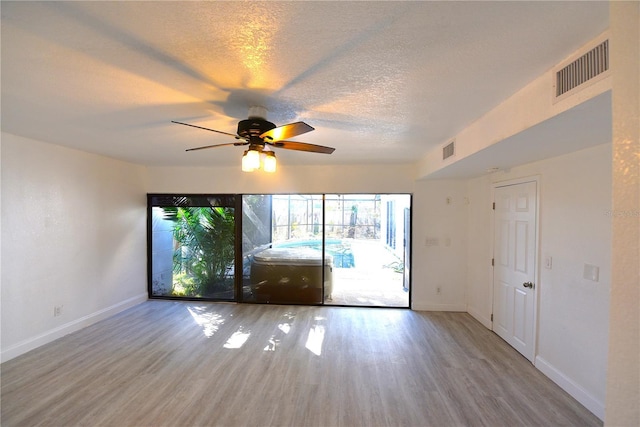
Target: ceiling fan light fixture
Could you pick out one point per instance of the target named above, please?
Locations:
(250, 160)
(256, 159)
(269, 162)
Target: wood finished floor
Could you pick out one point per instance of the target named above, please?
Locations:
(166, 363)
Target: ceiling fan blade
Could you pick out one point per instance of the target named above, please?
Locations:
(302, 146)
(211, 130)
(217, 145)
(286, 131)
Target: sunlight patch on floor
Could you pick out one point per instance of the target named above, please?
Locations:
(210, 322)
(284, 327)
(238, 339)
(315, 339)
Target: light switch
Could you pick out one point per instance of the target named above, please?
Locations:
(591, 272)
(548, 262)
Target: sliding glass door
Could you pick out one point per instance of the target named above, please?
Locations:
(337, 249)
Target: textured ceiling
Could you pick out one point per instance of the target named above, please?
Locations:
(380, 81)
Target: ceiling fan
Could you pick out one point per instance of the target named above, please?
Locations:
(258, 133)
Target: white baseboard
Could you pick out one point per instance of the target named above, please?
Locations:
(422, 306)
(69, 327)
(577, 392)
(486, 321)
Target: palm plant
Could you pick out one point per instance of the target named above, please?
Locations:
(204, 246)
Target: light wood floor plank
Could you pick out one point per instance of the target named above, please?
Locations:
(167, 363)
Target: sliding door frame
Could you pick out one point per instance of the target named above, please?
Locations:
(238, 284)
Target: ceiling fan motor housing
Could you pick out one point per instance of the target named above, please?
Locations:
(252, 128)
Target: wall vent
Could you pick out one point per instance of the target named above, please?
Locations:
(593, 63)
(449, 150)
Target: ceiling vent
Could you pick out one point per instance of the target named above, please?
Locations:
(449, 150)
(574, 75)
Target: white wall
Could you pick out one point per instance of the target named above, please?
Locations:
(439, 245)
(73, 236)
(288, 179)
(575, 229)
(623, 375)
(479, 249)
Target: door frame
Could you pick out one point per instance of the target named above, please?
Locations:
(238, 260)
(536, 270)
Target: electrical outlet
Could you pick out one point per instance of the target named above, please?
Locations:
(438, 290)
(431, 241)
(57, 311)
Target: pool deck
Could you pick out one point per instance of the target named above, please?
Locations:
(378, 287)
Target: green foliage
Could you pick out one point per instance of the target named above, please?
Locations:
(204, 248)
(184, 286)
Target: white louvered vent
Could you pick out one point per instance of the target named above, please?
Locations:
(449, 150)
(583, 69)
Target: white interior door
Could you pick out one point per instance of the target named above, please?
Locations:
(515, 265)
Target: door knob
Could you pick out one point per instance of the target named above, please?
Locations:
(528, 285)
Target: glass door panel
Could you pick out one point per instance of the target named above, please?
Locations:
(192, 243)
(367, 237)
(282, 249)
